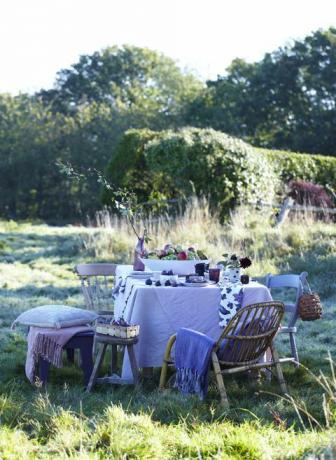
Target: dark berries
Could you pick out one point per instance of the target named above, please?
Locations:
(158, 283)
(245, 262)
(149, 282)
(167, 283)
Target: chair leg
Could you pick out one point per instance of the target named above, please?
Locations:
(70, 355)
(166, 360)
(99, 360)
(294, 349)
(44, 367)
(219, 380)
(86, 361)
(278, 370)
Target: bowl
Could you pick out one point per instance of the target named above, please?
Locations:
(179, 267)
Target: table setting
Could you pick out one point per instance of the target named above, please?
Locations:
(161, 302)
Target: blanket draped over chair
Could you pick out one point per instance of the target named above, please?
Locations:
(48, 344)
(192, 360)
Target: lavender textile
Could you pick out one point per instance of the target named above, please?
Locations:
(48, 343)
(192, 359)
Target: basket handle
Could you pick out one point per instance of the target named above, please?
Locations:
(306, 288)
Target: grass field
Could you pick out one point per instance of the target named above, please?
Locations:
(36, 267)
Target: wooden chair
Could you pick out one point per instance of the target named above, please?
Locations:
(291, 308)
(97, 283)
(242, 345)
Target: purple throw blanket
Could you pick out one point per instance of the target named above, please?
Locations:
(192, 359)
(48, 343)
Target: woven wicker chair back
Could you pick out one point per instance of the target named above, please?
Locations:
(250, 333)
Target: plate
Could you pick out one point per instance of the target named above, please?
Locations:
(206, 283)
(136, 273)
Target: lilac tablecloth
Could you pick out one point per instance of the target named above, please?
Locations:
(160, 311)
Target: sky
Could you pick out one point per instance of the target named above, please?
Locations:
(40, 37)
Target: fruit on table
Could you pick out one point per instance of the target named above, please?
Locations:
(149, 282)
(170, 252)
(158, 283)
(182, 255)
(167, 272)
(167, 283)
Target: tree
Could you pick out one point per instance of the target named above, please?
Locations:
(287, 100)
(143, 87)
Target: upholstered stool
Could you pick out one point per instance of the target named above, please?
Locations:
(102, 341)
(82, 341)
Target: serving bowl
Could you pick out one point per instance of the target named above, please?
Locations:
(179, 267)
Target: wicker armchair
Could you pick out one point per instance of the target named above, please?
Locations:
(241, 345)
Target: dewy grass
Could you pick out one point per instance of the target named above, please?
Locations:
(36, 267)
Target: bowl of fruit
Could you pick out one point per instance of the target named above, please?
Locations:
(176, 259)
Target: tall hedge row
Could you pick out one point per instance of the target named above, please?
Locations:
(205, 162)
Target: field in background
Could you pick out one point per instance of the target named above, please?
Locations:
(36, 267)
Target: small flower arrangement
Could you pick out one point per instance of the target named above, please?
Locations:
(234, 261)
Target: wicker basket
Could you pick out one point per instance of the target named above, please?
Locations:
(310, 307)
(114, 330)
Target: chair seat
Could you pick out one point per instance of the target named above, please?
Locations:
(85, 334)
(290, 307)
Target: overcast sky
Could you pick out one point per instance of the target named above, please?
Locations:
(40, 37)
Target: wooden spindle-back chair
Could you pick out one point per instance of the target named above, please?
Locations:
(295, 283)
(97, 283)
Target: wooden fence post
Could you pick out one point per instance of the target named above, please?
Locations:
(286, 207)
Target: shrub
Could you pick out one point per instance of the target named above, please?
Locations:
(205, 162)
(307, 193)
(201, 161)
(300, 166)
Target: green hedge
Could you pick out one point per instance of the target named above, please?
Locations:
(319, 169)
(169, 164)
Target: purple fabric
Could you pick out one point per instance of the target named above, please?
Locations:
(48, 343)
(192, 359)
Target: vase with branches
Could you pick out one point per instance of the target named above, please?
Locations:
(123, 200)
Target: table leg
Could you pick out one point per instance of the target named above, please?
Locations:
(114, 359)
(134, 364)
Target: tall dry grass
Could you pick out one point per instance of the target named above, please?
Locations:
(247, 231)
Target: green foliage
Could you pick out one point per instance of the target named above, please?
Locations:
(81, 121)
(319, 169)
(285, 101)
(189, 161)
(212, 164)
(142, 85)
(128, 167)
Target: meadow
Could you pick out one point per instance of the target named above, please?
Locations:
(61, 421)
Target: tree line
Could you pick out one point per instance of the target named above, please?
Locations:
(285, 101)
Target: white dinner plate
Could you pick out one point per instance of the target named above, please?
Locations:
(205, 284)
(140, 273)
